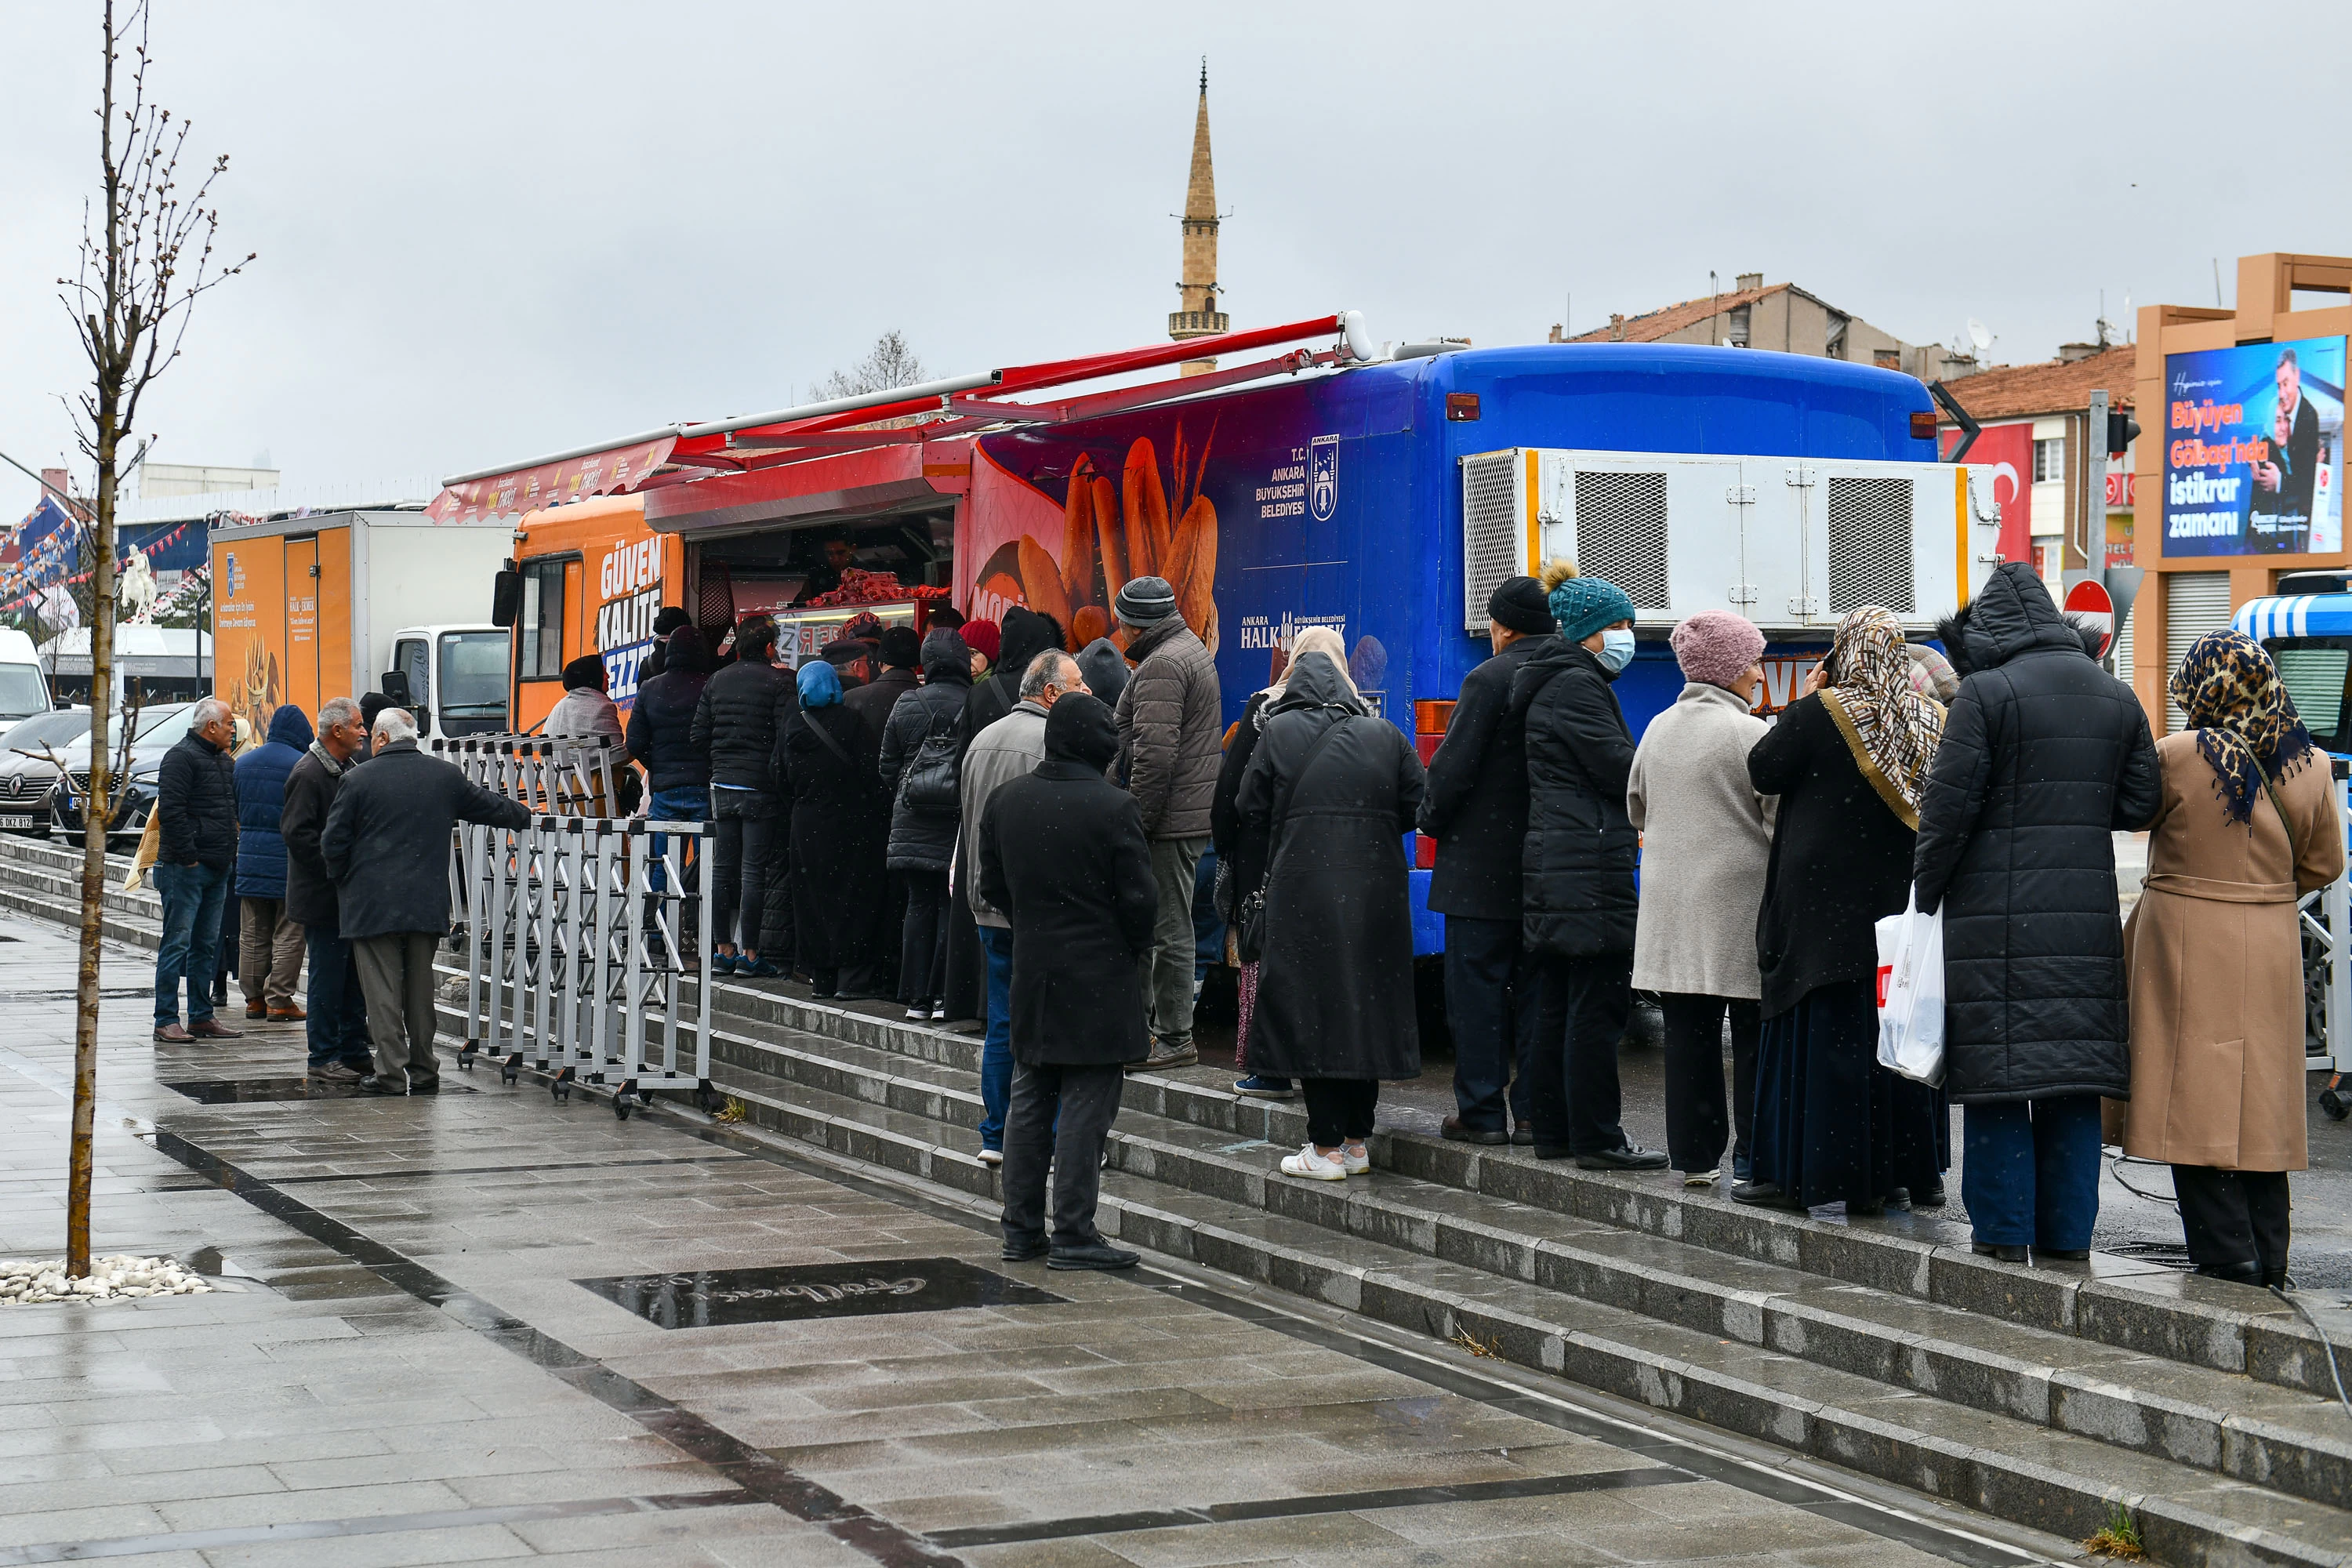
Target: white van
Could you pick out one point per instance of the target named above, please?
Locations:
(24, 691)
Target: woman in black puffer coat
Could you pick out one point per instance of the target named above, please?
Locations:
(2045, 756)
(922, 840)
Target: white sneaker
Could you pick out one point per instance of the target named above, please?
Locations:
(1306, 1162)
(1702, 1178)
(938, 1012)
(918, 1012)
(1355, 1161)
(991, 1156)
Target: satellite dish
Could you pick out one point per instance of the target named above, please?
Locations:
(1978, 336)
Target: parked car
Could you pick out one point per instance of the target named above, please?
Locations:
(26, 768)
(159, 729)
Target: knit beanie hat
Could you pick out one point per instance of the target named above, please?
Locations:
(1518, 605)
(1715, 645)
(1145, 602)
(1582, 605)
(901, 648)
(983, 637)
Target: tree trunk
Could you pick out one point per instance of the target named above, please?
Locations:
(97, 813)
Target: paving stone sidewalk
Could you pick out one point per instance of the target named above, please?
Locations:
(401, 1366)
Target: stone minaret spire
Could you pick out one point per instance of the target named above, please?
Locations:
(1197, 315)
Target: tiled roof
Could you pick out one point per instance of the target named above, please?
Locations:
(2011, 390)
(1673, 319)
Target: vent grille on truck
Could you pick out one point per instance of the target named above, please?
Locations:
(1870, 544)
(1490, 531)
(1620, 533)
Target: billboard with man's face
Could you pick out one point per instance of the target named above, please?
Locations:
(2254, 449)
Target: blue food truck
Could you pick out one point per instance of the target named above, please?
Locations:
(1387, 499)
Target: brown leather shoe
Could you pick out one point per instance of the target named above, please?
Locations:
(285, 1014)
(213, 1029)
(255, 1009)
(172, 1035)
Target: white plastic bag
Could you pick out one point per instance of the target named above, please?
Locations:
(1911, 994)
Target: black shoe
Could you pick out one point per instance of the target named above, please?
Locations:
(1452, 1129)
(425, 1085)
(2065, 1254)
(1023, 1251)
(1630, 1157)
(1098, 1256)
(1761, 1195)
(2002, 1251)
(1931, 1198)
(2275, 1280)
(2237, 1273)
(372, 1084)
(1554, 1152)
(1523, 1135)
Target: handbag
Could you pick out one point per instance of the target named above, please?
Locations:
(934, 779)
(1253, 939)
(1911, 994)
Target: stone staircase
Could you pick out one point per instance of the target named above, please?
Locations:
(2047, 1395)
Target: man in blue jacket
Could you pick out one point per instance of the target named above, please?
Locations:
(269, 943)
(195, 855)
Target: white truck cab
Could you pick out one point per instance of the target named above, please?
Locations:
(452, 678)
(24, 691)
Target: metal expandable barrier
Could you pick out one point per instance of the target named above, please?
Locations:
(589, 959)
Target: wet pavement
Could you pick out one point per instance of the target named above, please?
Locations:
(487, 1325)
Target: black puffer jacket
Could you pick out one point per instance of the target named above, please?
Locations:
(2045, 755)
(196, 793)
(1476, 807)
(386, 841)
(1577, 864)
(741, 712)
(661, 721)
(925, 840)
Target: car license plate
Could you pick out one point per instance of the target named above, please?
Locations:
(16, 824)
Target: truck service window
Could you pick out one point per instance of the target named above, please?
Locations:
(540, 656)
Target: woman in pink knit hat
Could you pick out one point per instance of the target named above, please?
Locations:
(1706, 836)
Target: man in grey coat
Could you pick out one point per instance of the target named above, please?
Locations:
(1009, 749)
(1170, 722)
(386, 844)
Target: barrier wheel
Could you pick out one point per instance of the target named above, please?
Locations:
(511, 1071)
(626, 1100)
(562, 1085)
(2334, 1101)
(465, 1054)
(706, 1099)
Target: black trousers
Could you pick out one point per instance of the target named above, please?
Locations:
(1061, 1115)
(1585, 1004)
(1340, 1110)
(923, 940)
(745, 825)
(1697, 1129)
(1493, 1011)
(2233, 1219)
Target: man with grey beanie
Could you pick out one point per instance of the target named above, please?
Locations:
(1170, 723)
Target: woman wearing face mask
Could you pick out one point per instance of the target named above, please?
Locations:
(1848, 760)
(1707, 832)
(1576, 871)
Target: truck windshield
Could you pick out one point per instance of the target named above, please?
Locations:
(474, 674)
(20, 691)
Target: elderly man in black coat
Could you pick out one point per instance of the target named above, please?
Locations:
(1062, 854)
(387, 844)
(1476, 809)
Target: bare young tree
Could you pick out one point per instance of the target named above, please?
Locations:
(145, 261)
(890, 363)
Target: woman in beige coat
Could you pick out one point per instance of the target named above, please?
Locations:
(2249, 822)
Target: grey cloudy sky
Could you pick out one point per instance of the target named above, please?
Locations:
(492, 230)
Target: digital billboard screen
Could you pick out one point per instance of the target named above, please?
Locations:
(2254, 449)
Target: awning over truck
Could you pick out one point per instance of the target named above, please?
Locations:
(510, 495)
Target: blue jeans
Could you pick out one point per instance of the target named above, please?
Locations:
(996, 1050)
(689, 803)
(337, 1025)
(193, 898)
(2029, 1171)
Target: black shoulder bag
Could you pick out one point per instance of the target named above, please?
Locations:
(1253, 937)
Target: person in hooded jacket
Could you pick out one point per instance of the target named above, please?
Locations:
(661, 732)
(741, 712)
(2248, 823)
(923, 836)
(1105, 669)
(1062, 854)
(1848, 760)
(1333, 790)
(840, 821)
(1577, 865)
(1241, 845)
(1022, 636)
(1476, 810)
(667, 621)
(2045, 756)
(269, 945)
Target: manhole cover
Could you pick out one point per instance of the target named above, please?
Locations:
(261, 1090)
(711, 1297)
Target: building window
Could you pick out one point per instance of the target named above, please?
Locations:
(541, 657)
(2050, 460)
(1886, 359)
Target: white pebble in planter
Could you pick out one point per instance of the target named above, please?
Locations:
(26, 1282)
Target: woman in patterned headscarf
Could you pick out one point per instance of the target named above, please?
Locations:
(2249, 822)
(1847, 760)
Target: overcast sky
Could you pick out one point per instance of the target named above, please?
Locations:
(488, 231)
